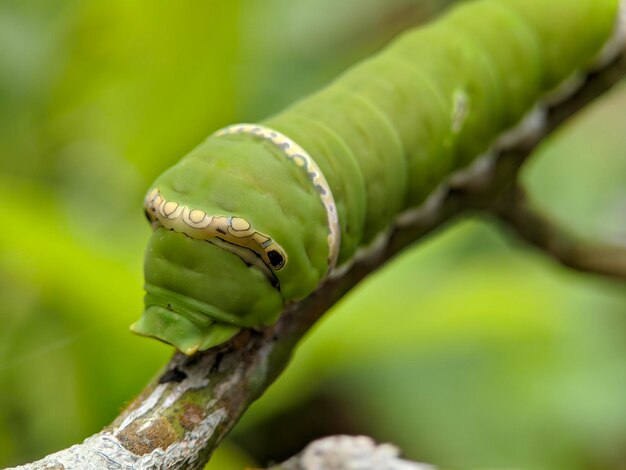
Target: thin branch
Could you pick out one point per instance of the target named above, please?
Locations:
(183, 415)
(514, 209)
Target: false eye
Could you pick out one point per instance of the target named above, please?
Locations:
(276, 259)
(148, 216)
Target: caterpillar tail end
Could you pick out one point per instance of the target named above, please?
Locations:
(181, 332)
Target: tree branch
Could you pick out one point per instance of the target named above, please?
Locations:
(514, 209)
(183, 415)
(349, 453)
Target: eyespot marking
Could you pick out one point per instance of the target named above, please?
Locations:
(302, 160)
(197, 224)
(196, 216)
(276, 259)
(240, 225)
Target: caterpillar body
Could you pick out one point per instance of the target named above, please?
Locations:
(259, 214)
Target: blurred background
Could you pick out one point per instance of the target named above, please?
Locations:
(469, 351)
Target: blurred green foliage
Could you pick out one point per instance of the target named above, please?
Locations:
(469, 351)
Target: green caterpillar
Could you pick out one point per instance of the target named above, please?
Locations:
(259, 214)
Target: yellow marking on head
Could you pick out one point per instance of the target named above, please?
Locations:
(197, 224)
(303, 160)
(197, 216)
(240, 225)
(169, 208)
(260, 238)
(157, 202)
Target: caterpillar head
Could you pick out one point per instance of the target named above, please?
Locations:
(225, 252)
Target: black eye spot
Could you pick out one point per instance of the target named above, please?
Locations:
(276, 259)
(147, 214)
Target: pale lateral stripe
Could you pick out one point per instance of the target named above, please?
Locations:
(296, 154)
